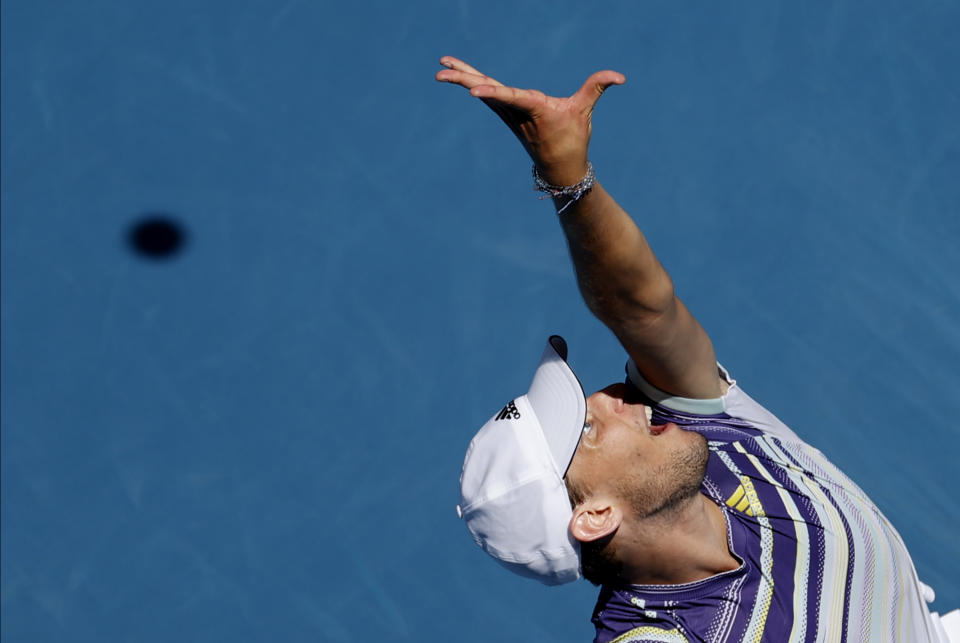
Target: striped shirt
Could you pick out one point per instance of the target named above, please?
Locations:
(819, 560)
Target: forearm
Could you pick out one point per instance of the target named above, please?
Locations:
(619, 276)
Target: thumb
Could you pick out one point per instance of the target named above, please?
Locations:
(598, 82)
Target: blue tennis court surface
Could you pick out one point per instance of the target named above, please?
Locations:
(253, 431)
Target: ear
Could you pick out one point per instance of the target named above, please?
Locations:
(594, 519)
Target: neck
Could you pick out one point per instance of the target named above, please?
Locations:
(686, 545)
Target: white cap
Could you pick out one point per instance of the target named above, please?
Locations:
(512, 494)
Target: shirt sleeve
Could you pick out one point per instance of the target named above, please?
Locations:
(734, 403)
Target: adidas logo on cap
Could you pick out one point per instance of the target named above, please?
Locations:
(509, 412)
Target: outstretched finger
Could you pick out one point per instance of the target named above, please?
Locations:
(598, 82)
(455, 63)
(458, 65)
(465, 79)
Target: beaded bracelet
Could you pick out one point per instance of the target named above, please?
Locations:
(575, 192)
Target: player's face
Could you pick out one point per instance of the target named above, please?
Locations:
(649, 467)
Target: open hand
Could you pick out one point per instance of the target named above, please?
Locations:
(554, 131)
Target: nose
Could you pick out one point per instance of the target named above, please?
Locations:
(609, 399)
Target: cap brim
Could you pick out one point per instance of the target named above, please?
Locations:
(557, 399)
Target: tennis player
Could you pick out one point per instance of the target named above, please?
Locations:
(700, 515)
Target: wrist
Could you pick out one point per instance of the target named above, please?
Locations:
(568, 173)
(565, 195)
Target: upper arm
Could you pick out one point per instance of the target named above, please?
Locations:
(671, 350)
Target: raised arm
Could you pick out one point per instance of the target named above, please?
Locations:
(620, 278)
